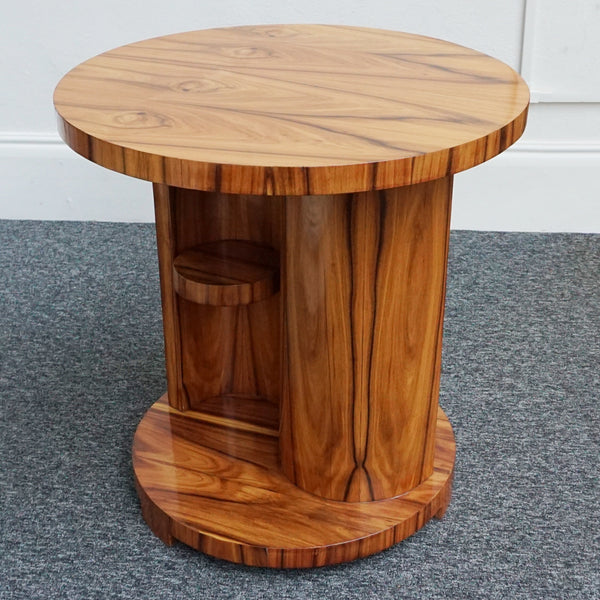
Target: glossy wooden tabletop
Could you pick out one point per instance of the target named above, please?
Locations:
(299, 109)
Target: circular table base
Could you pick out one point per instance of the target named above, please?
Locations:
(213, 482)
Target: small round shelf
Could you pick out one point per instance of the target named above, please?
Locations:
(227, 273)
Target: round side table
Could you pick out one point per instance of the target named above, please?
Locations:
(302, 185)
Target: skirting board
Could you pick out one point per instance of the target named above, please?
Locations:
(538, 189)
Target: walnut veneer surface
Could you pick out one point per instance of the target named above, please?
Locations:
(312, 109)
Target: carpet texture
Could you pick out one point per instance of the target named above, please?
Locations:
(81, 359)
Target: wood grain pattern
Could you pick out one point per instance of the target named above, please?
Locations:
(241, 508)
(248, 412)
(363, 309)
(219, 351)
(291, 110)
(167, 250)
(227, 273)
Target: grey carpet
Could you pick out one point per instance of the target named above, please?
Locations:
(82, 358)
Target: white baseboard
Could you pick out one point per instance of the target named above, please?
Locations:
(46, 180)
(531, 188)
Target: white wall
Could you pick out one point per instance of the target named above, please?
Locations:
(546, 182)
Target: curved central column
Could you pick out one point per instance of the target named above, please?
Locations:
(363, 287)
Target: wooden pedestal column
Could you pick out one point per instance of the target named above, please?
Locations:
(363, 297)
(303, 344)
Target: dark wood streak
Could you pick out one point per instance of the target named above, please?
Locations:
(350, 309)
(373, 397)
(470, 77)
(450, 157)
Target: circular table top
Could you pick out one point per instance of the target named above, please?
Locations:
(294, 109)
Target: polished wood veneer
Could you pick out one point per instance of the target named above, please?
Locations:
(227, 273)
(302, 180)
(238, 506)
(298, 109)
(363, 314)
(232, 349)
